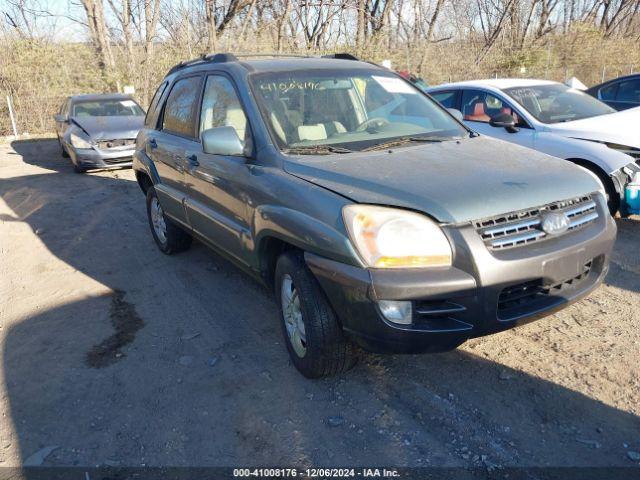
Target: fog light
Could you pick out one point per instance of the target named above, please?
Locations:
(396, 311)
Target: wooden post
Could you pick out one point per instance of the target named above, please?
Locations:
(13, 120)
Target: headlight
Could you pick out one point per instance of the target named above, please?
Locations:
(392, 238)
(79, 142)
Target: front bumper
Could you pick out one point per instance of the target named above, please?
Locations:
(95, 158)
(473, 297)
(621, 178)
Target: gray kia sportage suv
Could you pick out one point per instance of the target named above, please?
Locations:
(377, 217)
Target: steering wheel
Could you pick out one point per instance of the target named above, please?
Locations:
(375, 122)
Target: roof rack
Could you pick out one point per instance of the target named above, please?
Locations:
(275, 55)
(341, 56)
(205, 58)
(229, 57)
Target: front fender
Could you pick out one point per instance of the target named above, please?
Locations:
(304, 232)
(606, 158)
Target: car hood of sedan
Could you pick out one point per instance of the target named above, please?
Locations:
(618, 127)
(454, 182)
(110, 128)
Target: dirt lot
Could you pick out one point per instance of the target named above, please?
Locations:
(116, 354)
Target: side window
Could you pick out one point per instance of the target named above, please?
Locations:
(182, 107)
(154, 103)
(64, 110)
(446, 99)
(609, 92)
(629, 91)
(221, 107)
(479, 106)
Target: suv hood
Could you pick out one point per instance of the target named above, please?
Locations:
(110, 128)
(618, 127)
(454, 182)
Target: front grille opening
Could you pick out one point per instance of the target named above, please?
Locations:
(439, 315)
(519, 299)
(523, 227)
(115, 161)
(120, 142)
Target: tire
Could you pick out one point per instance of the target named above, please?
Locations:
(326, 349)
(613, 199)
(174, 239)
(62, 150)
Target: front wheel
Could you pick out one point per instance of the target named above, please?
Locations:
(169, 237)
(315, 340)
(62, 149)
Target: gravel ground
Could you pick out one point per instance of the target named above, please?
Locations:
(114, 354)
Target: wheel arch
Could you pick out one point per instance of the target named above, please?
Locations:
(610, 186)
(278, 229)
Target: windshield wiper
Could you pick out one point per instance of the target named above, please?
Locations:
(316, 150)
(401, 141)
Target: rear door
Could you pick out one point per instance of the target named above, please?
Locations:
(218, 185)
(169, 145)
(479, 106)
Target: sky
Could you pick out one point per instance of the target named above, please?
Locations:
(60, 22)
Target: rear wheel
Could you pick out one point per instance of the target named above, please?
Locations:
(169, 237)
(314, 338)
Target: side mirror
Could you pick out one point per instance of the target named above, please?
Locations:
(60, 118)
(222, 141)
(504, 120)
(456, 113)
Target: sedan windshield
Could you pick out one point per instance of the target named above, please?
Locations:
(338, 111)
(557, 103)
(107, 108)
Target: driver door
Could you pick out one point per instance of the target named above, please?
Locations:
(478, 107)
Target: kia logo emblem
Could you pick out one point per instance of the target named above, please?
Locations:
(555, 223)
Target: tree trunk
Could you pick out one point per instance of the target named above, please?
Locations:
(151, 13)
(360, 32)
(211, 26)
(99, 38)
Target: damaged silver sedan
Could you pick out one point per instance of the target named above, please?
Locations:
(98, 131)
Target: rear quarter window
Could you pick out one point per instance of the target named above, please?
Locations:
(181, 109)
(151, 111)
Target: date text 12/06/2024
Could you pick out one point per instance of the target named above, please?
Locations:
(316, 472)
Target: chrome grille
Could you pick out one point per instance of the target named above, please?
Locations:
(520, 228)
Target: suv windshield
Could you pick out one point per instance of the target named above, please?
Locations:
(558, 103)
(107, 108)
(339, 111)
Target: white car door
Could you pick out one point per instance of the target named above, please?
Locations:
(478, 107)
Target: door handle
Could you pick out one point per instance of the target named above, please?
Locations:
(193, 160)
(153, 143)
